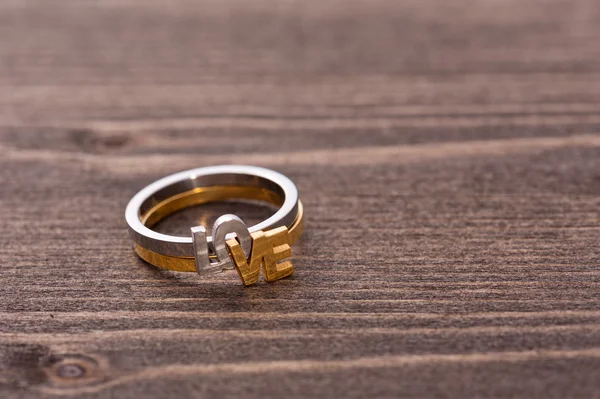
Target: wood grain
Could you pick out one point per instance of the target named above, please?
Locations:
(447, 154)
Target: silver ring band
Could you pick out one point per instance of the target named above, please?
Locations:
(224, 175)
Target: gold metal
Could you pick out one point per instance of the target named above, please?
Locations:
(267, 249)
(204, 195)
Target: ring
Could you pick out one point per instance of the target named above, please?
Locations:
(233, 244)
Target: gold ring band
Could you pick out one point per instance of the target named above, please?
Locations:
(203, 195)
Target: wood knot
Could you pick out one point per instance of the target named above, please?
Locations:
(73, 370)
(99, 143)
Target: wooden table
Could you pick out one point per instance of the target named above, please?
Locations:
(447, 153)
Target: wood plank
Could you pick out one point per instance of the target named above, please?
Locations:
(447, 154)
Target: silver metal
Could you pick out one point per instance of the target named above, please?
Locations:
(224, 175)
(203, 263)
(224, 225)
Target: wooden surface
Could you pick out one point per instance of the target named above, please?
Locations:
(447, 153)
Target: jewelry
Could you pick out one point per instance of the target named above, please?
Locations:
(233, 244)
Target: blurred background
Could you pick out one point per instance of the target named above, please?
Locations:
(129, 76)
